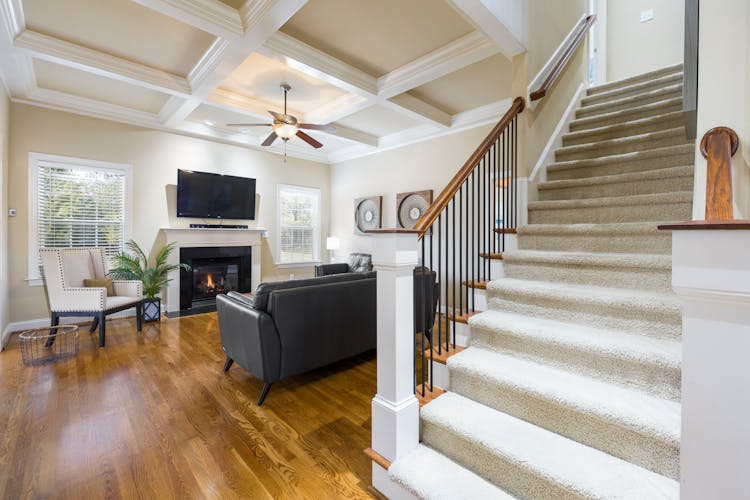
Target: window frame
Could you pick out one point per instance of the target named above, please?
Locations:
(35, 160)
(316, 227)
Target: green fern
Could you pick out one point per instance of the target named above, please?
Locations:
(135, 266)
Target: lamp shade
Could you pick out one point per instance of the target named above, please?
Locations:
(332, 243)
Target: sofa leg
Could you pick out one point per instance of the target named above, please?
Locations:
(94, 324)
(54, 320)
(228, 364)
(102, 329)
(264, 393)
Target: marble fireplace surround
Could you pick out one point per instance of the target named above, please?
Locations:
(185, 237)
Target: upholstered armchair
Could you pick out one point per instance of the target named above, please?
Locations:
(65, 270)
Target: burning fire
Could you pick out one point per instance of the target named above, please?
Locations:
(210, 281)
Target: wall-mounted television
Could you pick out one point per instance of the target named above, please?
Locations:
(215, 196)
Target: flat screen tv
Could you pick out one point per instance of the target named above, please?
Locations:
(215, 196)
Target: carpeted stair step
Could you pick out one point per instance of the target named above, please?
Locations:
(631, 425)
(663, 180)
(632, 270)
(620, 237)
(634, 112)
(653, 314)
(634, 361)
(630, 144)
(530, 462)
(627, 90)
(626, 129)
(651, 96)
(640, 208)
(633, 80)
(431, 475)
(638, 161)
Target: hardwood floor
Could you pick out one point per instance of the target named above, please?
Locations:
(153, 416)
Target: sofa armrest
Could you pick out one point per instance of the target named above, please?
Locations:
(326, 269)
(77, 299)
(249, 337)
(128, 288)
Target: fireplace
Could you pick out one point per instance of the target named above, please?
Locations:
(213, 270)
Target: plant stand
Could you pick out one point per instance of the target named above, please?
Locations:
(151, 310)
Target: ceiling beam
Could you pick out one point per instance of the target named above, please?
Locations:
(93, 61)
(16, 68)
(500, 20)
(419, 110)
(454, 56)
(211, 16)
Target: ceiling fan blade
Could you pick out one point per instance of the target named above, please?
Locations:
(269, 140)
(248, 124)
(312, 142)
(315, 126)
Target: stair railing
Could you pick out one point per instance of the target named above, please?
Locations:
(460, 233)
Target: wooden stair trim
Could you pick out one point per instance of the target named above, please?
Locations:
(428, 395)
(479, 285)
(491, 255)
(442, 356)
(463, 317)
(505, 230)
(377, 458)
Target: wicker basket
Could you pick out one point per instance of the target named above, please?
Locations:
(50, 343)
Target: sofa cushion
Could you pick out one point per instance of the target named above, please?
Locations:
(76, 267)
(260, 295)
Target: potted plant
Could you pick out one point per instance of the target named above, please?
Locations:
(136, 266)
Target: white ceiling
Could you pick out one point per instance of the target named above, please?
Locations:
(384, 73)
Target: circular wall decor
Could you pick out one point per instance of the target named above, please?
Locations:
(367, 213)
(411, 206)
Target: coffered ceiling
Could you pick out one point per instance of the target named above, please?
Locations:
(384, 73)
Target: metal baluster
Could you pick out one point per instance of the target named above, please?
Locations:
(472, 255)
(466, 234)
(453, 277)
(440, 284)
(515, 171)
(424, 320)
(460, 249)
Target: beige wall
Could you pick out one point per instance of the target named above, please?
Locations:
(4, 141)
(634, 47)
(155, 157)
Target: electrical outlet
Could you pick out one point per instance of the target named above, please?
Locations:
(11, 212)
(647, 15)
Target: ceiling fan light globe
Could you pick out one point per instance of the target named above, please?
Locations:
(285, 130)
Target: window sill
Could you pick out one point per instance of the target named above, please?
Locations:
(34, 281)
(284, 265)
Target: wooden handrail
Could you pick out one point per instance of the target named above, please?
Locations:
(718, 145)
(567, 54)
(429, 217)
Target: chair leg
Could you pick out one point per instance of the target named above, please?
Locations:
(228, 364)
(54, 320)
(139, 316)
(264, 393)
(102, 328)
(94, 324)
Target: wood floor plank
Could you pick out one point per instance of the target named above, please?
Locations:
(153, 415)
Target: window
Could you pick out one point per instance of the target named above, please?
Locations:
(299, 224)
(76, 203)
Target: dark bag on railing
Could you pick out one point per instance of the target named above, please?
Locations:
(426, 290)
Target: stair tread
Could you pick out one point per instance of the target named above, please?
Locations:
(491, 255)
(597, 93)
(479, 285)
(638, 122)
(602, 259)
(583, 229)
(623, 157)
(665, 352)
(659, 173)
(639, 199)
(462, 316)
(622, 141)
(578, 123)
(592, 109)
(430, 474)
(578, 468)
(650, 75)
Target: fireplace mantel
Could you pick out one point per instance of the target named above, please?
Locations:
(185, 237)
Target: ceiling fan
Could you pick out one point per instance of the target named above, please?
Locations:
(287, 126)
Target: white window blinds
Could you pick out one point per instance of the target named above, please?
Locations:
(299, 224)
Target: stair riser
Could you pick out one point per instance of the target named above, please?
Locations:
(630, 90)
(651, 323)
(648, 376)
(611, 214)
(638, 243)
(627, 146)
(643, 186)
(628, 103)
(660, 455)
(502, 471)
(621, 167)
(634, 114)
(608, 87)
(659, 280)
(625, 131)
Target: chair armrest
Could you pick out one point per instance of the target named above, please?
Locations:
(78, 299)
(326, 269)
(128, 288)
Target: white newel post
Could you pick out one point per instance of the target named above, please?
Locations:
(395, 409)
(711, 274)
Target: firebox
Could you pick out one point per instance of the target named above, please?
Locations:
(213, 270)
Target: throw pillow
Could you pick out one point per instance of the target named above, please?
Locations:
(100, 283)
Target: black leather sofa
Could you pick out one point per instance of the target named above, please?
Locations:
(292, 327)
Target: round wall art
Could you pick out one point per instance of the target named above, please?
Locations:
(367, 213)
(411, 206)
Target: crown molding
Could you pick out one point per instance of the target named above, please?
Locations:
(14, 21)
(93, 61)
(211, 16)
(454, 56)
(501, 22)
(419, 110)
(207, 64)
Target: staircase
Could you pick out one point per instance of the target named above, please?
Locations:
(570, 386)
